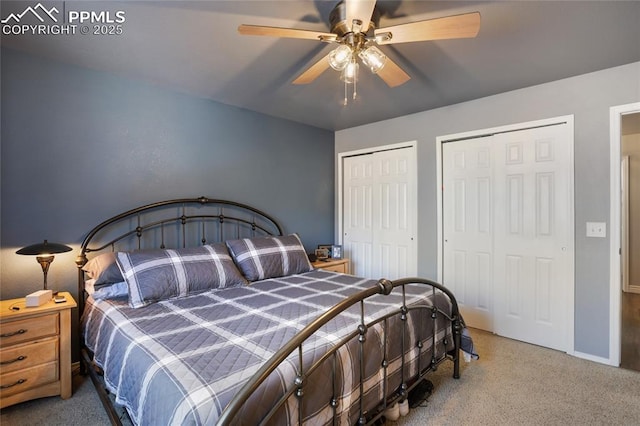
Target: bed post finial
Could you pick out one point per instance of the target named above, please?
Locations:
(385, 286)
(81, 259)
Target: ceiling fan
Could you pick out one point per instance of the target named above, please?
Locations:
(354, 28)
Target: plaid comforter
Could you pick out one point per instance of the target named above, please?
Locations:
(181, 361)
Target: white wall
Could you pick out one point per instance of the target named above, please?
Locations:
(588, 97)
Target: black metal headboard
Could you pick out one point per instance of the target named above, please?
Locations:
(185, 222)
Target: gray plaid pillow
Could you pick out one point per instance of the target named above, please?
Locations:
(269, 257)
(154, 275)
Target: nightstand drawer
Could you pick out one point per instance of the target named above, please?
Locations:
(19, 381)
(18, 357)
(334, 265)
(28, 329)
(336, 268)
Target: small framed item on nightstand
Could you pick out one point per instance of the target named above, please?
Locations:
(336, 252)
(322, 253)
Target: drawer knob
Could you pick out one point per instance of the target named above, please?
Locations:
(11, 361)
(21, 331)
(19, 382)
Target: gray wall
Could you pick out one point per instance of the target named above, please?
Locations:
(79, 146)
(588, 98)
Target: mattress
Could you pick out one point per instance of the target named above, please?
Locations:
(181, 361)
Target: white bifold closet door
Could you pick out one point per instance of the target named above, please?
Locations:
(507, 232)
(467, 205)
(379, 213)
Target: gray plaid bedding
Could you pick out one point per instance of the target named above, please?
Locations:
(181, 361)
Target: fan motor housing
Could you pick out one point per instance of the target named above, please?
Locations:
(338, 20)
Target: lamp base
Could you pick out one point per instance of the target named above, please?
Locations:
(45, 262)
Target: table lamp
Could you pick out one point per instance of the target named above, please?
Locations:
(44, 252)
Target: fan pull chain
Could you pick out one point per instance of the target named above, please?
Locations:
(355, 88)
(346, 92)
(346, 101)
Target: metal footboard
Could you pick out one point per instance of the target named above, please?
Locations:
(231, 413)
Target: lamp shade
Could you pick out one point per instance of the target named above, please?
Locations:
(373, 58)
(350, 73)
(44, 248)
(44, 252)
(340, 57)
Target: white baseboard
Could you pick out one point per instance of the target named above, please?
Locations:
(594, 358)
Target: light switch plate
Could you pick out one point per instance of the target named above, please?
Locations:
(596, 229)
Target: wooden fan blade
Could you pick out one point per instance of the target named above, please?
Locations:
(361, 10)
(313, 71)
(392, 74)
(457, 26)
(259, 30)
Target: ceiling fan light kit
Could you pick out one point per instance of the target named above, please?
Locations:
(349, 76)
(373, 58)
(354, 27)
(350, 73)
(340, 57)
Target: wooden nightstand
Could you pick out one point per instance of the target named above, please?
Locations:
(35, 350)
(335, 265)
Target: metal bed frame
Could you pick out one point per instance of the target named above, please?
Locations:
(193, 221)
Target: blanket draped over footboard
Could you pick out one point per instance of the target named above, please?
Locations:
(181, 361)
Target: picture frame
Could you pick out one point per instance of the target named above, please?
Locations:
(336, 251)
(327, 248)
(322, 253)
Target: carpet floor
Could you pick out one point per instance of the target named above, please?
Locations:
(513, 383)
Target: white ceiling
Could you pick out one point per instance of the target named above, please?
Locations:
(194, 47)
